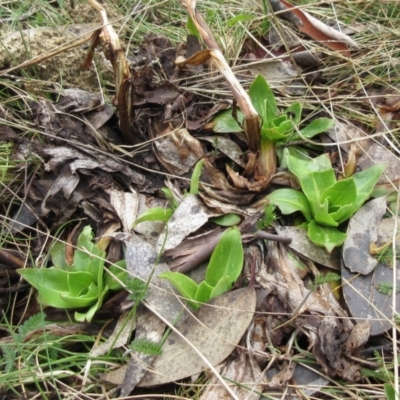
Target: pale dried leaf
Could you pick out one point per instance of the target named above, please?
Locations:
(119, 337)
(190, 215)
(149, 328)
(126, 206)
(361, 233)
(214, 330)
(302, 245)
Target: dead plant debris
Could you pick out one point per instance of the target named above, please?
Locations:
(80, 156)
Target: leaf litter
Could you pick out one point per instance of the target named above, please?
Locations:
(83, 177)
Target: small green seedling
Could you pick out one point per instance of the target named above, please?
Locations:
(164, 214)
(222, 272)
(79, 285)
(268, 217)
(324, 201)
(277, 127)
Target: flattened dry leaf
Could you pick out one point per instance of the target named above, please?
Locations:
(322, 331)
(228, 147)
(178, 151)
(309, 381)
(214, 330)
(126, 206)
(220, 188)
(361, 233)
(193, 251)
(190, 215)
(60, 154)
(278, 72)
(122, 331)
(307, 26)
(236, 370)
(149, 328)
(140, 260)
(358, 336)
(78, 100)
(302, 245)
(365, 302)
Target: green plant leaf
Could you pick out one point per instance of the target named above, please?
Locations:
(320, 213)
(224, 285)
(389, 391)
(88, 315)
(52, 284)
(316, 183)
(341, 197)
(365, 182)
(192, 29)
(279, 129)
(88, 257)
(203, 293)
(263, 99)
(119, 270)
(154, 214)
(227, 219)
(316, 127)
(295, 109)
(195, 179)
(226, 259)
(239, 18)
(301, 168)
(290, 201)
(224, 122)
(325, 236)
(57, 254)
(187, 287)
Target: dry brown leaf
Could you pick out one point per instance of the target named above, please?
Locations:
(177, 150)
(306, 25)
(362, 231)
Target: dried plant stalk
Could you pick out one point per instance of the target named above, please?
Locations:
(252, 121)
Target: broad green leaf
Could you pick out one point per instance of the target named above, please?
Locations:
(321, 214)
(324, 236)
(341, 193)
(154, 214)
(119, 270)
(192, 29)
(263, 99)
(203, 293)
(87, 316)
(187, 287)
(83, 299)
(365, 182)
(227, 258)
(194, 181)
(224, 122)
(52, 284)
(224, 285)
(295, 109)
(229, 219)
(290, 201)
(280, 131)
(57, 254)
(316, 127)
(88, 257)
(80, 282)
(389, 391)
(301, 168)
(316, 183)
(341, 197)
